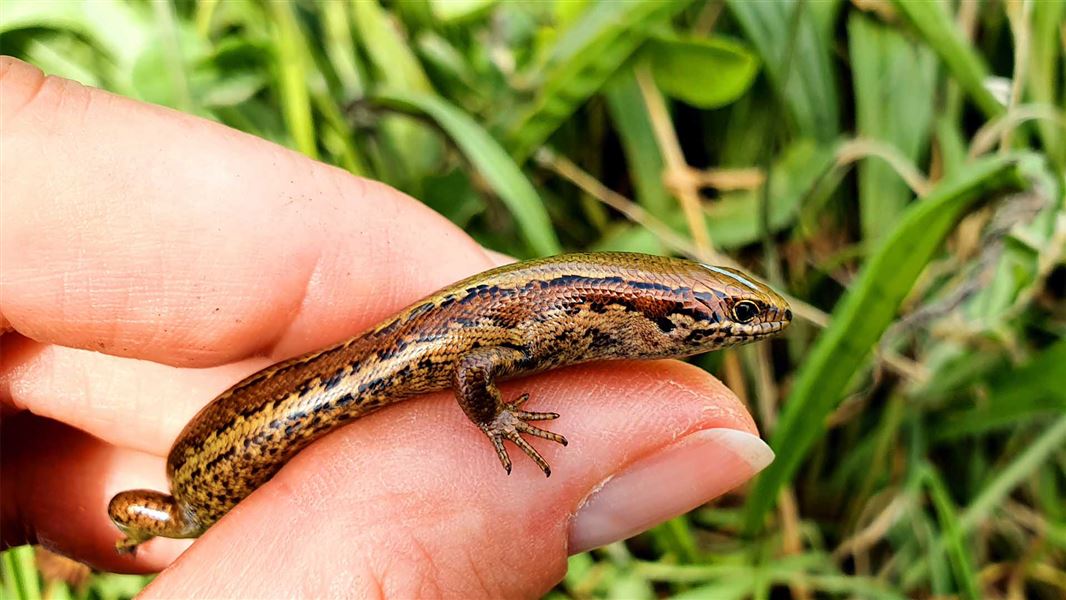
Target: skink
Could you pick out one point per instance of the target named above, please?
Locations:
(514, 320)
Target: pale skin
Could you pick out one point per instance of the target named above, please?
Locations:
(151, 259)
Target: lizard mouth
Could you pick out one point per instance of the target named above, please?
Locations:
(768, 328)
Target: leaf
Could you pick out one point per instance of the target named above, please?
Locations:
(703, 72)
(583, 58)
(119, 29)
(27, 14)
(491, 161)
(895, 86)
(795, 53)
(162, 72)
(942, 34)
(62, 56)
(864, 313)
(118, 33)
(216, 89)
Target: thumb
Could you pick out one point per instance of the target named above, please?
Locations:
(412, 502)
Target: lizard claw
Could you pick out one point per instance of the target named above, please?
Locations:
(510, 423)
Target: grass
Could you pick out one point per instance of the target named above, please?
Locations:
(898, 172)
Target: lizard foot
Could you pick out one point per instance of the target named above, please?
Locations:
(510, 422)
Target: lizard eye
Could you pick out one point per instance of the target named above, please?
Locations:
(745, 311)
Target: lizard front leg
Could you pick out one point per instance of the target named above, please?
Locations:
(475, 389)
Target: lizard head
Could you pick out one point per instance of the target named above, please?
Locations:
(725, 307)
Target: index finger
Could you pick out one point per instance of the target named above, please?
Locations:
(142, 232)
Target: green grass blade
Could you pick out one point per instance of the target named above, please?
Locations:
(631, 120)
(677, 539)
(628, 586)
(112, 586)
(939, 569)
(456, 77)
(852, 586)
(391, 55)
(339, 45)
(171, 60)
(1034, 457)
(583, 59)
(338, 78)
(491, 161)
(863, 314)
(894, 91)
(291, 63)
(1044, 81)
(337, 137)
(739, 580)
(1026, 392)
(19, 570)
(394, 66)
(796, 56)
(952, 538)
(933, 23)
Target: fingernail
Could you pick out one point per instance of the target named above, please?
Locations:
(678, 478)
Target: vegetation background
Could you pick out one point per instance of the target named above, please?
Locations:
(896, 167)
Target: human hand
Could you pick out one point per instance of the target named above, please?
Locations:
(151, 259)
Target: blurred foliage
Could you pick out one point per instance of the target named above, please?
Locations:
(896, 167)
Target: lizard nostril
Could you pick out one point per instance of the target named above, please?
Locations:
(788, 314)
